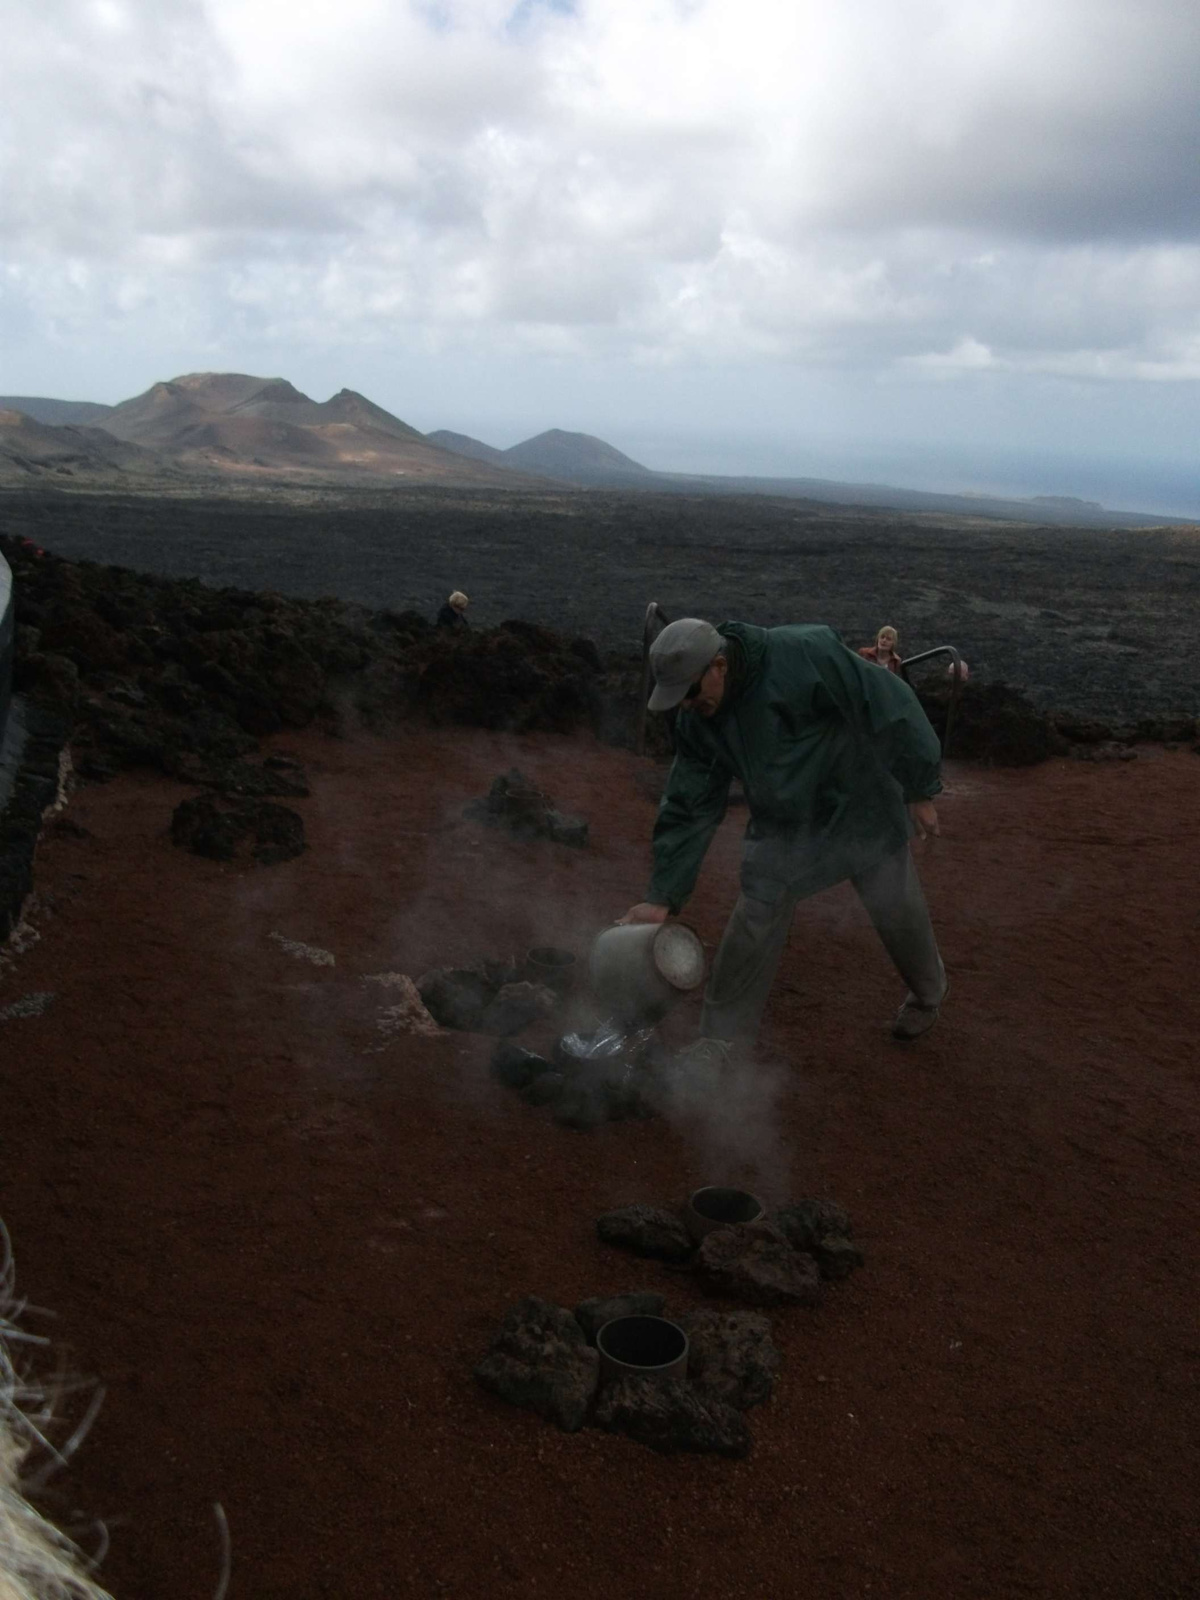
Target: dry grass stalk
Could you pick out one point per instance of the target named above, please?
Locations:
(37, 1561)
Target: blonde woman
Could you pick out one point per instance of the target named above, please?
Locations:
(885, 652)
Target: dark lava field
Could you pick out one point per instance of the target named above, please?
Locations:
(1104, 623)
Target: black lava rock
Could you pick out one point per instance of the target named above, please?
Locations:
(455, 997)
(806, 1222)
(731, 1355)
(467, 998)
(514, 803)
(201, 826)
(995, 723)
(591, 1315)
(275, 833)
(757, 1265)
(596, 1092)
(584, 1102)
(670, 1415)
(515, 1006)
(278, 832)
(516, 1067)
(543, 1090)
(541, 1360)
(837, 1257)
(647, 1232)
(243, 779)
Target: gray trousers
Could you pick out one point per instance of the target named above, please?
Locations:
(754, 939)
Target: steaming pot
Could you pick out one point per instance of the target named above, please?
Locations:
(640, 970)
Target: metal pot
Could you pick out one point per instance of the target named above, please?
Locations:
(714, 1207)
(642, 1347)
(639, 970)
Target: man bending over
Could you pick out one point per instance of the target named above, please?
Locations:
(840, 766)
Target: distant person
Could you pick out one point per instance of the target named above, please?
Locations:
(840, 768)
(454, 613)
(885, 652)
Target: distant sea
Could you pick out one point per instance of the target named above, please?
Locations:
(1169, 488)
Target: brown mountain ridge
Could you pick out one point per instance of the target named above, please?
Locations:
(230, 426)
(239, 426)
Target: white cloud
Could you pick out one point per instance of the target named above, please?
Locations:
(981, 189)
(966, 355)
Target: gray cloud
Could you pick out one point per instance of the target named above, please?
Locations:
(1068, 121)
(925, 193)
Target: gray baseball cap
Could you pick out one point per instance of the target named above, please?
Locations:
(677, 658)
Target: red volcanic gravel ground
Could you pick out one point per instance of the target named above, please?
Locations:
(283, 1238)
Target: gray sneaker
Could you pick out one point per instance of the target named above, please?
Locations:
(913, 1019)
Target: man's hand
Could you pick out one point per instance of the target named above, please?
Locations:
(925, 817)
(644, 912)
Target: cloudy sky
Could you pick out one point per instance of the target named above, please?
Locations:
(953, 243)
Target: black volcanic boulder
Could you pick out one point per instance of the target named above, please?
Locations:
(275, 778)
(514, 803)
(541, 1360)
(757, 1265)
(806, 1222)
(731, 1355)
(516, 1067)
(822, 1228)
(470, 999)
(670, 1415)
(455, 997)
(208, 828)
(543, 1090)
(837, 1257)
(173, 653)
(77, 632)
(996, 723)
(408, 624)
(120, 735)
(646, 1231)
(47, 678)
(591, 1315)
(278, 831)
(515, 1005)
(518, 677)
(590, 1096)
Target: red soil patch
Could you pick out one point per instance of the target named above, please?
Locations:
(284, 1248)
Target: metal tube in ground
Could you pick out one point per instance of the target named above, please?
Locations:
(642, 1347)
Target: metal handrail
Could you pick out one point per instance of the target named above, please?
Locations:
(956, 690)
(656, 620)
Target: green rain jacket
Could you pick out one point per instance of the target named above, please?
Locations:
(829, 749)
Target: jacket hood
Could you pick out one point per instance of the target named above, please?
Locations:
(753, 641)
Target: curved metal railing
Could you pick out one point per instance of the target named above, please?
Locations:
(956, 685)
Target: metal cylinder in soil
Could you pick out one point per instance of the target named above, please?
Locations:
(642, 1347)
(714, 1207)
